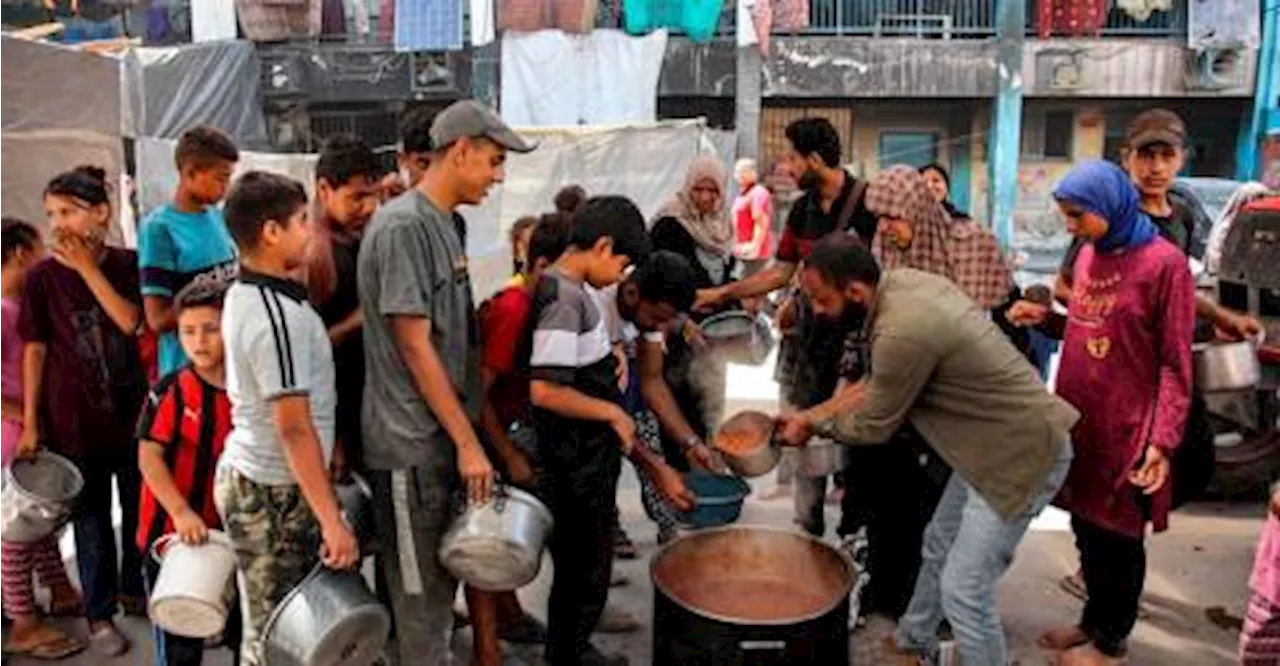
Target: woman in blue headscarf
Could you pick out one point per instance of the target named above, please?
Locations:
(1126, 365)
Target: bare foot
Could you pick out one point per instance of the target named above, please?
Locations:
(1087, 655)
(1062, 638)
(40, 641)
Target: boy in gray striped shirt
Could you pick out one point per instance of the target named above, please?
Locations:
(272, 485)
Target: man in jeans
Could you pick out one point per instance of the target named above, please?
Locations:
(938, 363)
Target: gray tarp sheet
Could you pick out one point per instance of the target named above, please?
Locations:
(29, 159)
(213, 83)
(49, 87)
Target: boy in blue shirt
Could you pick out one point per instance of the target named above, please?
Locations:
(186, 241)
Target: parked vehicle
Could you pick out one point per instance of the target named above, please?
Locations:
(1247, 423)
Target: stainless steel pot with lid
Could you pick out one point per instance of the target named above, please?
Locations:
(497, 546)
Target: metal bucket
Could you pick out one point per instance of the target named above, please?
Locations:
(190, 595)
(38, 496)
(497, 546)
(330, 619)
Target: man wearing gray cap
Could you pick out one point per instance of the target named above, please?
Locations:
(422, 379)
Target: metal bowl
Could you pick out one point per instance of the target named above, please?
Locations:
(739, 337)
(1227, 366)
(746, 443)
(38, 496)
(330, 619)
(497, 546)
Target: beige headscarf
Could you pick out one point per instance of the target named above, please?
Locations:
(713, 232)
(963, 251)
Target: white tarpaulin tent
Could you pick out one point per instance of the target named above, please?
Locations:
(643, 162)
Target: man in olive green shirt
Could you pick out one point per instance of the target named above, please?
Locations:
(939, 363)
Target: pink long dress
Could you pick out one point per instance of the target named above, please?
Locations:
(11, 374)
(1126, 365)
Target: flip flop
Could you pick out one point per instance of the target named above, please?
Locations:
(58, 646)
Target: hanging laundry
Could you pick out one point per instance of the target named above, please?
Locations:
(578, 16)
(744, 26)
(333, 18)
(1141, 10)
(782, 15)
(428, 25)
(482, 22)
(697, 19)
(278, 20)
(1070, 18)
(1224, 24)
(615, 81)
(213, 20)
(386, 20)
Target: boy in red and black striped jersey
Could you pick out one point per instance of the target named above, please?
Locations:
(180, 435)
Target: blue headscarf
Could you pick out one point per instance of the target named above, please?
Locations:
(1104, 189)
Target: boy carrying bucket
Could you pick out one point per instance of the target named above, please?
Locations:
(180, 435)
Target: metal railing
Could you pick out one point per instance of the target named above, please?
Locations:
(963, 19)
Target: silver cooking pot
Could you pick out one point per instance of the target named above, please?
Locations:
(355, 499)
(1227, 366)
(330, 619)
(497, 546)
(745, 442)
(38, 496)
(739, 336)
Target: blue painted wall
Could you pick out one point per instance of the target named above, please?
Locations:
(1004, 142)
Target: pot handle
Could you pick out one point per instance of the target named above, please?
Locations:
(159, 545)
(760, 646)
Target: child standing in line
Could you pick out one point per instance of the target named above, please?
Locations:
(180, 437)
(186, 240)
(30, 635)
(83, 384)
(272, 484)
(582, 429)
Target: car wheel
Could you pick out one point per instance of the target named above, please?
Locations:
(1246, 463)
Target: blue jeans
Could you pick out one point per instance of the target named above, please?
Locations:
(967, 547)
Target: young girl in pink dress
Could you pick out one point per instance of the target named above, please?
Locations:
(30, 635)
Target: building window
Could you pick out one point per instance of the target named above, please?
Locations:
(914, 148)
(1048, 135)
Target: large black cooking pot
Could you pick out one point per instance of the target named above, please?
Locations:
(750, 595)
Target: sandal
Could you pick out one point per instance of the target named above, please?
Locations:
(56, 645)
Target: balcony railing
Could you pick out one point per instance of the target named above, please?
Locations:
(963, 19)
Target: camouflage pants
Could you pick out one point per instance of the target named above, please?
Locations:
(277, 543)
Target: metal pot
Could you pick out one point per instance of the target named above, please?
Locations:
(821, 458)
(497, 546)
(1227, 366)
(739, 336)
(38, 496)
(330, 619)
(745, 441)
(189, 597)
(751, 595)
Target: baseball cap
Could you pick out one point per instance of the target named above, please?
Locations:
(469, 118)
(1155, 126)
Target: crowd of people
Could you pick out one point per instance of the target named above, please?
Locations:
(296, 340)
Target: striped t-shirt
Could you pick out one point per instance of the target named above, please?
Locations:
(276, 346)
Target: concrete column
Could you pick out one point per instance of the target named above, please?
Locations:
(961, 158)
(1263, 118)
(747, 101)
(1004, 142)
